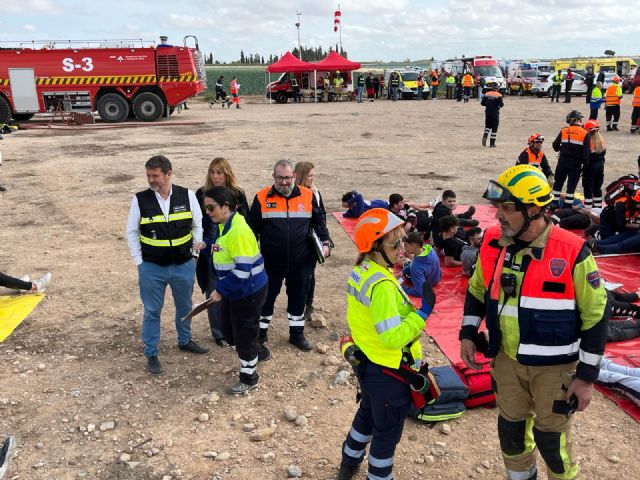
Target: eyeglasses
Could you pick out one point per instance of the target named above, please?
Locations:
(280, 179)
(210, 207)
(395, 245)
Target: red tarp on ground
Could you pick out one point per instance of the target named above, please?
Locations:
(444, 323)
(335, 61)
(289, 63)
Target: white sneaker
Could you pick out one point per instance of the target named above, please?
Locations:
(43, 282)
(6, 451)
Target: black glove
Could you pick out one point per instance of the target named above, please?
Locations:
(428, 299)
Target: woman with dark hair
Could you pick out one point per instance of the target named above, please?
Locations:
(219, 174)
(241, 284)
(305, 173)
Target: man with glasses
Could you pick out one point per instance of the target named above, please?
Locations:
(282, 217)
(545, 306)
(164, 233)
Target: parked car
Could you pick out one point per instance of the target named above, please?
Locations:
(521, 81)
(408, 84)
(542, 85)
(631, 81)
(608, 79)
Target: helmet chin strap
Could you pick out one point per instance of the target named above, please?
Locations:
(384, 256)
(522, 208)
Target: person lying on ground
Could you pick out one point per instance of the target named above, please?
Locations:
(625, 380)
(356, 205)
(451, 243)
(424, 267)
(469, 253)
(25, 284)
(446, 207)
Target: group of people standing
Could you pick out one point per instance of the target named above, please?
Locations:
(221, 94)
(176, 235)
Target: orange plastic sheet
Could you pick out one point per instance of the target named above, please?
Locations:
(444, 323)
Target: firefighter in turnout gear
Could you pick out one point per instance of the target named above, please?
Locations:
(386, 329)
(574, 144)
(545, 307)
(492, 103)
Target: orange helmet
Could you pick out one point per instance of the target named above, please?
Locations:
(534, 137)
(591, 125)
(372, 225)
(616, 79)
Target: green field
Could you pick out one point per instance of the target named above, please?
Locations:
(252, 78)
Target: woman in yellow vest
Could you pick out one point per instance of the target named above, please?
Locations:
(386, 329)
(241, 287)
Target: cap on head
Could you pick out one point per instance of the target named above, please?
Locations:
(372, 225)
(523, 184)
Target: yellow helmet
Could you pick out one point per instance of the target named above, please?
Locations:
(524, 184)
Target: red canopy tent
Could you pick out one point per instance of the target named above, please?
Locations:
(290, 63)
(335, 61)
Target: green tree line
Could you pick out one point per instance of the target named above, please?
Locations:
(309, 54)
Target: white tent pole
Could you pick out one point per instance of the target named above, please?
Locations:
(315, 84)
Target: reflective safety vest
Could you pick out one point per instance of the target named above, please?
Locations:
(534, 159)
(294, 82)
(451, 80)
(544, 308)
(165, 241)
(338, 82)
(237, 260)
(467, 81)
(434, 79)
(234, 86)
(327, 82)
(613, 95)
(361, 81)
(420, 82)
(596, 95)
(636, 97)
(381, 317)
(557, 79)
(573, 134)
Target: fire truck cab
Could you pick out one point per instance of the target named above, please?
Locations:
(118, 82)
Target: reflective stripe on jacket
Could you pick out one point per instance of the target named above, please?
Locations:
(613, 95)
(467, 81)
(573, 141)
(636, 97)
(165, 241)
(559, 311)
(382, 319)
(237, 260)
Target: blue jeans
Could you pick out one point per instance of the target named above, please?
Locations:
(420, 89)
(625, 242)
(360, 93)
(153, 280)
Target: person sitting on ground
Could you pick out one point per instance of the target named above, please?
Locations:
(533, 155)
(575, 217)
(447, 207)
(403, 210)
(469, 253)
(627, 223)
(25, 284)
(451, 243)
(424, 266)
(356, 205)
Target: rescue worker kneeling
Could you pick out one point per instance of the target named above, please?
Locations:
(386, 327)
(546, 310)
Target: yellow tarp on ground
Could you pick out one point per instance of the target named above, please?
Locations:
(13, 310)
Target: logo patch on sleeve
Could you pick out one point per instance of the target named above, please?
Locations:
(557, 266)
(594, 279)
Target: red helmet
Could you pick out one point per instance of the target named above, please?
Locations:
(591, 125)
(534, 137)
(373, 224)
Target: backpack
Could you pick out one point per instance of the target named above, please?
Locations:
(478, 382)
(625, 186)
(449, 403)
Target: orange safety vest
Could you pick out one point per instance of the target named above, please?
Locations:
(534, 159)
(574, 134)
(547, 313)
(636, 97)
(277, 206)
(467, 81)
(611, 97)
(234, 87)
(420, 82)
(434, 79)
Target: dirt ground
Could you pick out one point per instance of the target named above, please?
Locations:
(76, 364)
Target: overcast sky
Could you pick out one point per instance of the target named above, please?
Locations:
(372, 29)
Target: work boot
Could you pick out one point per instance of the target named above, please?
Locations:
(264, 354)
(237, 106)
(484, 140)
(299, 341)
(492, 143)
(262, 336)
(154, 367)
(609, 128)
(2, 189)
(615, 127)
(239, 388)
(6, 452)
(193, 347)
(347, 473)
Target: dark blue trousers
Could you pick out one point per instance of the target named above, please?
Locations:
(380, 419)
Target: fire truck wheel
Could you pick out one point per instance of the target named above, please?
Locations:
(5, 110)
(148, 107)
(112, 108)
(281, 97)
(23, 117)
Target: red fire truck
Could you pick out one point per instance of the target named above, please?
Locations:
(118, 82)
